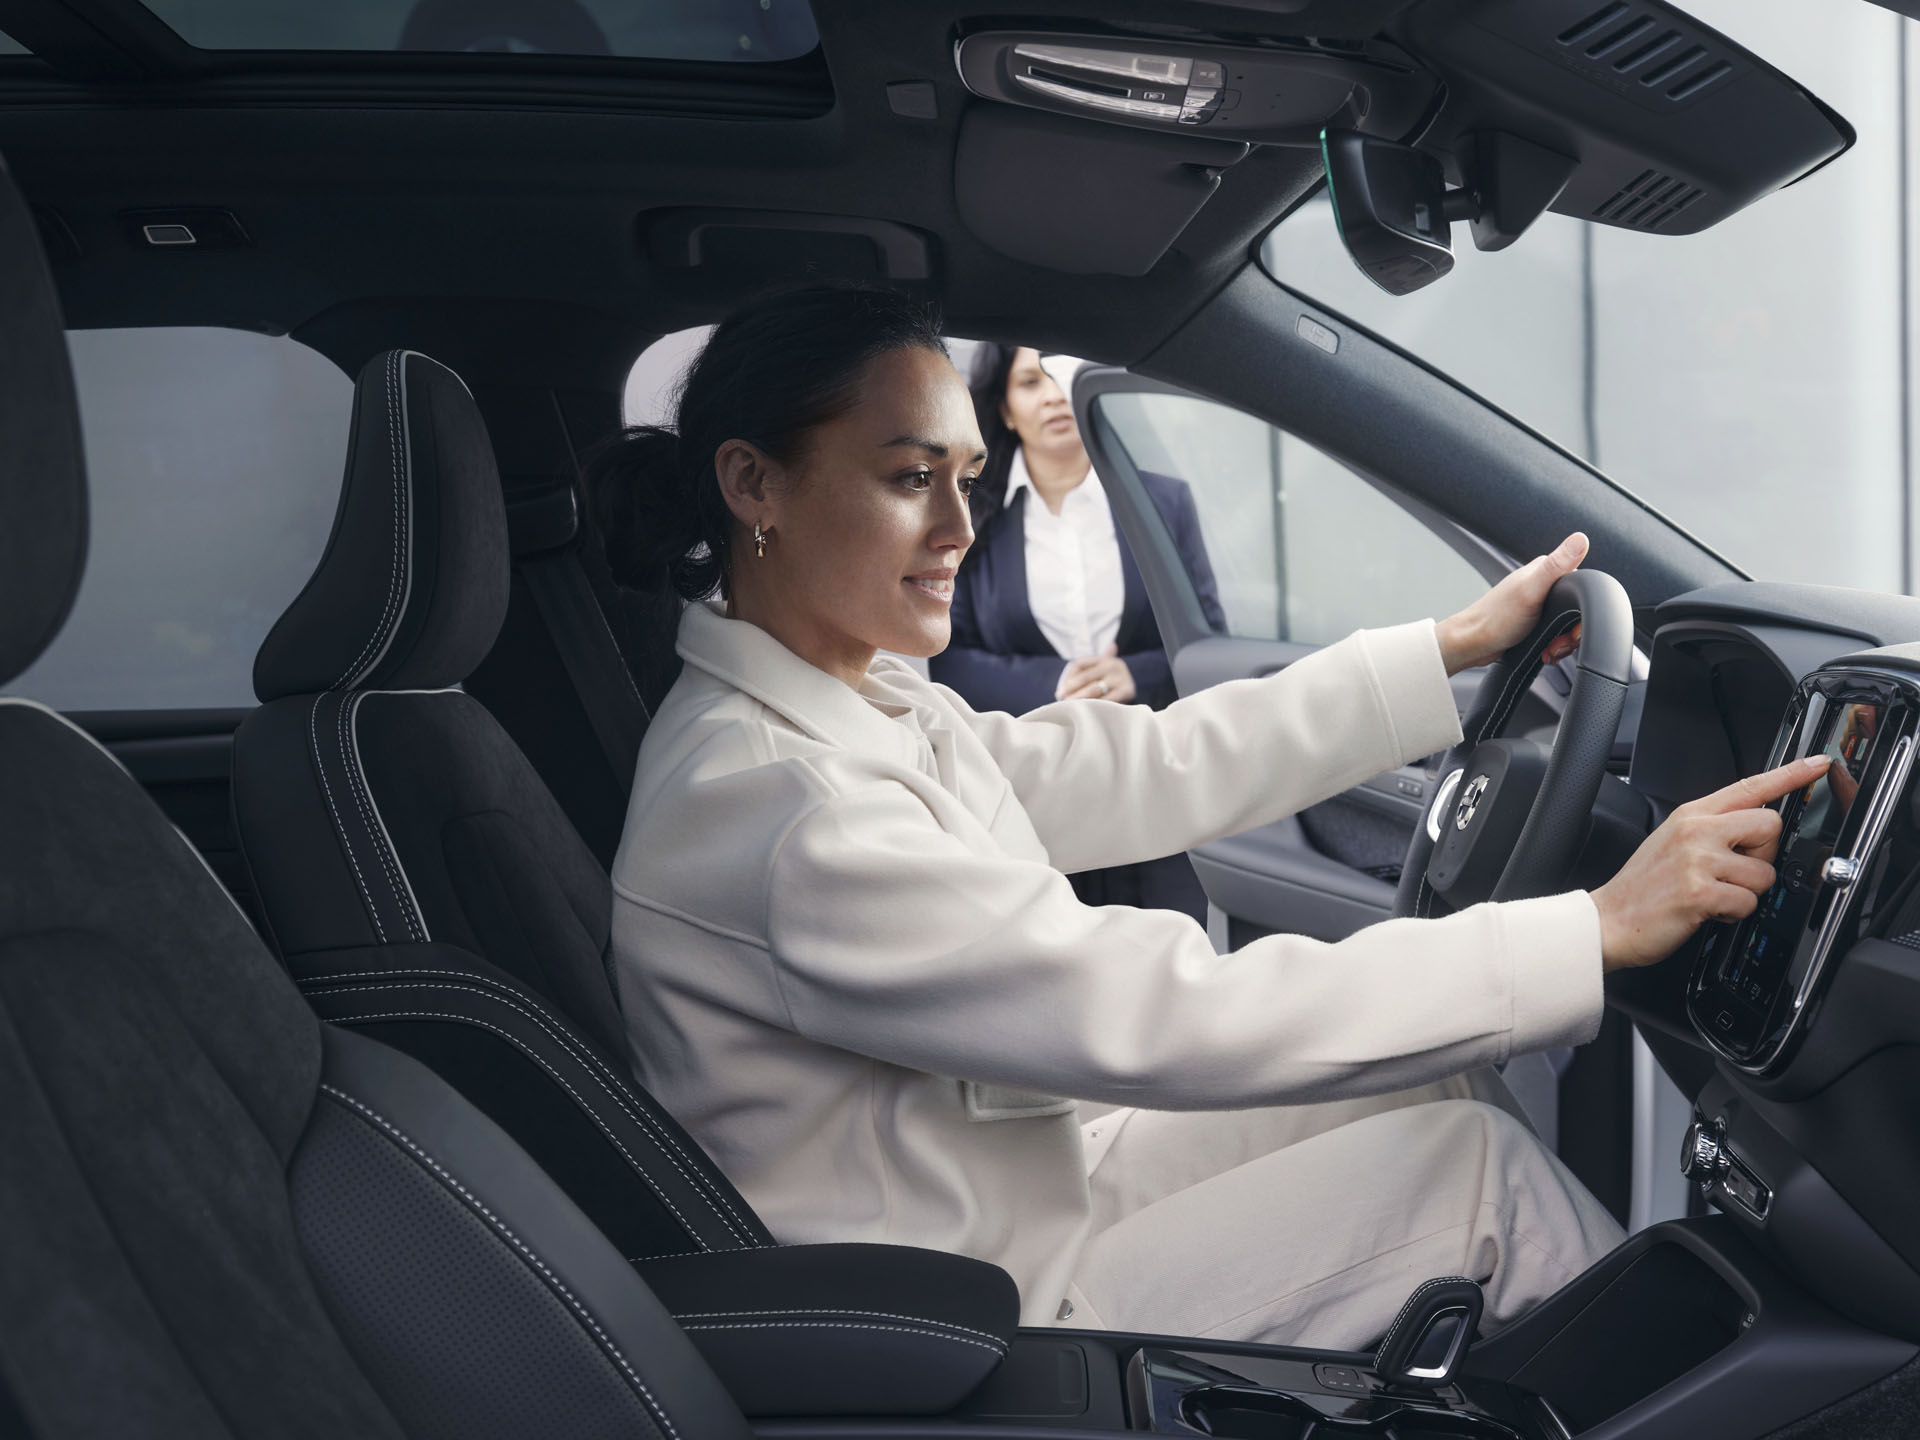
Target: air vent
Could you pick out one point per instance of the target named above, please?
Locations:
(1627, 44)
(1648, 201)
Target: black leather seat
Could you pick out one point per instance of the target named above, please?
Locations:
(418, 878)
(423, 885)
(222, 1217)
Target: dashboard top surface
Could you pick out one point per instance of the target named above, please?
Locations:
(1873, 616)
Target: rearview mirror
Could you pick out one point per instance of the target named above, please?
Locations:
(1391, 204)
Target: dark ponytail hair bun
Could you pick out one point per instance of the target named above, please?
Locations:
(629, 493)
(771, 373)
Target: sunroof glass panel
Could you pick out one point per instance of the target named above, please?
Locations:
(648, 29)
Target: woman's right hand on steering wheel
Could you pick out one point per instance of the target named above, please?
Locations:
(1711, 860)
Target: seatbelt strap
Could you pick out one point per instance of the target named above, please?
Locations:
(564, 597)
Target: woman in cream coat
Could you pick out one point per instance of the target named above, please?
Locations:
(852, 965)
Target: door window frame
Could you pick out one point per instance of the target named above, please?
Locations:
(1176, 605)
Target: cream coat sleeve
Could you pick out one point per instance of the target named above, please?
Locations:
(1112, 784)
(892, 938)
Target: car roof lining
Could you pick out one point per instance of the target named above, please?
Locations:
(507, 214)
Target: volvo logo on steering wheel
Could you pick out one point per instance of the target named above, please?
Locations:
(1469, 802)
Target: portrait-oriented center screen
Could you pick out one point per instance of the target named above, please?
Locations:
(1753, 970)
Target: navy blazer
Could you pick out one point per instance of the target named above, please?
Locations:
(1000, 660)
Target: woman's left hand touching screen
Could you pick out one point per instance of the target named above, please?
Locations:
(1501, 618)
(1097, 677)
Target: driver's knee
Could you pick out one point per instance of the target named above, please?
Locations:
(1538, 1226)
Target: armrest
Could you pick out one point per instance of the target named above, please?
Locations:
(841, 1329)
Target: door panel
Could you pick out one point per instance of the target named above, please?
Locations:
(1301, 551)
(1314, 873)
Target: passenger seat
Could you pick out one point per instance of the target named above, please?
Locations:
(419, 879)
(222, 1217)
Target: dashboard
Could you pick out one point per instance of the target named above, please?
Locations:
(1796, 1032)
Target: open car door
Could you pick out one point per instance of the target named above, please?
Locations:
(1301, 551)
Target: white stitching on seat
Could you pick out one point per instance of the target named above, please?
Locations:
(698, 1182)
(829, 1310)
(509, 1037)
(715, 1198)
(377, 827)
(352, 674)
(1000, 1350)
(652, 1404)
(320, 764)
(360, 801)
(702, 1187)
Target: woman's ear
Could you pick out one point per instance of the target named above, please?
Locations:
(743, 469)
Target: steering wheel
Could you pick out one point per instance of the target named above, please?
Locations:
(1509, 817)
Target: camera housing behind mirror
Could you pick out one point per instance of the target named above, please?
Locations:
(1396, 214)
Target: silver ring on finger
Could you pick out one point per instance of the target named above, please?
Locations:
(1104, 687)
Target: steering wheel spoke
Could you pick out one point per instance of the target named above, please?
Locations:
(1513, 824)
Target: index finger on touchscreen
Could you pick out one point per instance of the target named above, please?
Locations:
(1767, 786)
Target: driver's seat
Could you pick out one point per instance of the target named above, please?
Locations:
(418, 878)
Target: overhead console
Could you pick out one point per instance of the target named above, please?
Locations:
(1626, 113)
(1284, 93)
(1101, 147)
(1674, 126)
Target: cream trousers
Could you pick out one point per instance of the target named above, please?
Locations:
(1311, 1224)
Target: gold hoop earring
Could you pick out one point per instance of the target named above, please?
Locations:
(759, 542)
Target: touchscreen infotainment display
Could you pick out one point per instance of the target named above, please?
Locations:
(1813, 819)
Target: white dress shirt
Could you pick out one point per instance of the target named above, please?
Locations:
(852, 966)
(1074, 588)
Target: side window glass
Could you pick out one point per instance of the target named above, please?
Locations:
(1301, 548)
(655, 378)
(214, 462)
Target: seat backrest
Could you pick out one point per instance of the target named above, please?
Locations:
(221, 1218)
(417, 876)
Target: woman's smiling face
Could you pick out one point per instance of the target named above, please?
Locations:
(866, 528)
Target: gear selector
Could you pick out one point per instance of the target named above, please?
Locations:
(1424, 1345)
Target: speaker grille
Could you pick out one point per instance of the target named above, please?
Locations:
(1648, 201)
(1624, 42)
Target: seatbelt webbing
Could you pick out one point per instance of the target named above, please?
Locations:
(564, 596)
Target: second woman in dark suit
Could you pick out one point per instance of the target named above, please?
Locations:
(1049, 604)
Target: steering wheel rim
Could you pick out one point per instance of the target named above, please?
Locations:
(1549, 842)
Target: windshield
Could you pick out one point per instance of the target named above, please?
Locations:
(1749, 381)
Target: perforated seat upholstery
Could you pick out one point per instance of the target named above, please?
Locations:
(419, 879)
(221, 1217)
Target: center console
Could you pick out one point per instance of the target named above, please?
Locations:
(1686, 1330)
(1192, 1390)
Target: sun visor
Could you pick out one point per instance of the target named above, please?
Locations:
(1079, 196)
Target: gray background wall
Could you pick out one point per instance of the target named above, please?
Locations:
(1754, 382)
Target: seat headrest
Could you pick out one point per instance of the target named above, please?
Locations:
(43, 477)
(412, 588)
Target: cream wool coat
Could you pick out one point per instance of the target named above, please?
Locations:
(852, 966)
